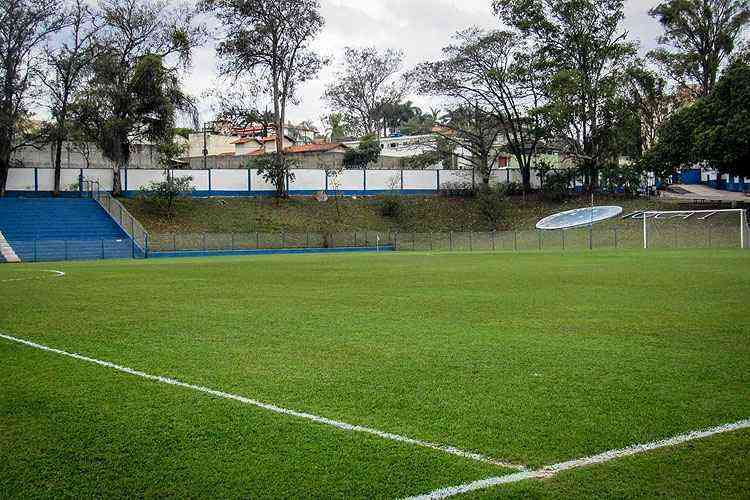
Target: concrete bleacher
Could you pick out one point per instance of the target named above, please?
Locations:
(46, 229)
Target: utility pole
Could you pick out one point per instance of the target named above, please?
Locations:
(205, 147)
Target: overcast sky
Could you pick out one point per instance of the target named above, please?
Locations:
(418, 27)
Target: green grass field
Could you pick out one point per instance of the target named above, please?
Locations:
(528, 358)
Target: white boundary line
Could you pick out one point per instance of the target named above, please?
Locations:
(58, 274)
(277, 409)
(551, 470)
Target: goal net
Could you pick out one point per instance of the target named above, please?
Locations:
(726, 228)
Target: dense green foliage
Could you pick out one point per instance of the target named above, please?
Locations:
(535, 358)
(714, 130)
(367, 152)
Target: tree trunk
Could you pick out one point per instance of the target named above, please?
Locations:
(116, 181)
(58, 166)
(3, 177)
(525, 177)
(5, 152)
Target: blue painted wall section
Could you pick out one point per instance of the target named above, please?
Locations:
(276, 251)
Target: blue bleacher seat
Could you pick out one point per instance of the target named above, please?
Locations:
(44, 229)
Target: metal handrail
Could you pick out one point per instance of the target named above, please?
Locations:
(121, 215)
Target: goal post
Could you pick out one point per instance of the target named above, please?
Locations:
(720, 228)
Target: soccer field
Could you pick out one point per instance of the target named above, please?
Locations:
(377, 375)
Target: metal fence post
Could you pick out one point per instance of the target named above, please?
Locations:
(145, 244)
(563, 239)
(102, 248)
(471, 244)
(430, 241)
(355, 238)
(591, 237)
(515, 240)
(450, 240)
(539, 234)
(65, 243)
(257, 240)
(174, 242)
(413, 240)
(492, 236)
(35, 255)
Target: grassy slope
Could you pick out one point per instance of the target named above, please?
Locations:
(530, 357)
(421, 214)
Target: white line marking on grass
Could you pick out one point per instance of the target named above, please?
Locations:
(57, 274)
(277, 409)
(551, 470)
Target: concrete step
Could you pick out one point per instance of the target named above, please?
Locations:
(7, 251)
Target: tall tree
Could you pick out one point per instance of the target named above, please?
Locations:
(470, 133)
(24, 27)
(134, 93)
(703, 34)
(647, 92)
(67, 66)
(714, 130)
(584, 53)
(336, 126)
(367, 85)
(723, 137)
(499, 71)
(268, 41)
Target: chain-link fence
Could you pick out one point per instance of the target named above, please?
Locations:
(621, 236)
(120, 214)
(62, 250)
(177, 242)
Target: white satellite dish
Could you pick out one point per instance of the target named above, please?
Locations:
(578, 218)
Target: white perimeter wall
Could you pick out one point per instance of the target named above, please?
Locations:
(308, 180)
(420, 179)
(140, 179)
(22, 179)
(258, 183)
(383, 180)
(226, 180)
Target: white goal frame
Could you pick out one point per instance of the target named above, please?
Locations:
(686, 214)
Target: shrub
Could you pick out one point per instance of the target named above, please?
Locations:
(392, 207)
(557, 184)
(490, 202)
(162, 194)
(457, 189)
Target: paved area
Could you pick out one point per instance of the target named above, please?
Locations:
(702, 192)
